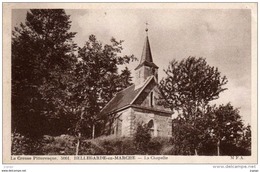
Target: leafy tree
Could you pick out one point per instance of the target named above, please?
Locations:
(225, 128)
(42, 50)
(188, 136)
(245, 142)
(188, 87)
(191, 84)
(51, 84)
(125, 78)
(219, 131)
(92, 83)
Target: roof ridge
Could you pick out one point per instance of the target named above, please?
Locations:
(125, 88)
(142, 88)
(124, 97)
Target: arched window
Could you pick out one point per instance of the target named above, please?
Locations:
(151, 99)
(150, 125)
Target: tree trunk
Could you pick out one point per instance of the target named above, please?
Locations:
(196, 153)
(78, 144)
(93, 131)
(218, 149)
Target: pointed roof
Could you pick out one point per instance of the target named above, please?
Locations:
(146, 55)
(124, 98)
(127, 98)
(146, 58)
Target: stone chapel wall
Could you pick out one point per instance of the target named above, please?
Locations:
(162, 123)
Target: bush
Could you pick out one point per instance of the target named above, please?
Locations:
(22, 145)
(142, 138)
(108, 145)
(159, 145)
(233, 150)
(60, 145)
(154, 147)
(142, 143)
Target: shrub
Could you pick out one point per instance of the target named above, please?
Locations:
(154, 147)
(108, 145)
(60, 145)
(90, 147)
(141, 139)
(22, 145)
(158, 145)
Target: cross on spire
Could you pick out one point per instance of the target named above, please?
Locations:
(146, 29)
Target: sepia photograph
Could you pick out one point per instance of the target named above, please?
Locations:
(130, 83)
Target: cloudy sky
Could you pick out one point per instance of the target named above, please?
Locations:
(221, 36)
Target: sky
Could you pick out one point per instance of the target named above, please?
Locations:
(222, 36)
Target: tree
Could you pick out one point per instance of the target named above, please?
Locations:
(93, 82)
(41, 53)
(125, 78)
(225, 128)
(188, 88)
(191, 84)
(245, 142)
(188, 136)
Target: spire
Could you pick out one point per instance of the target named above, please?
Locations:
(146, 67)
(146, 55)
(146, 58)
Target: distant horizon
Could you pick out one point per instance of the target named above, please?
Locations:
(221, 36)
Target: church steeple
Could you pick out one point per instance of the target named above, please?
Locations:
(146, 58)
(146, 55)
(146, 66)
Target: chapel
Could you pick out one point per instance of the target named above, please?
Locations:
(138, 103)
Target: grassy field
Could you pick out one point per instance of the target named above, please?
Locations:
(110, 145)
